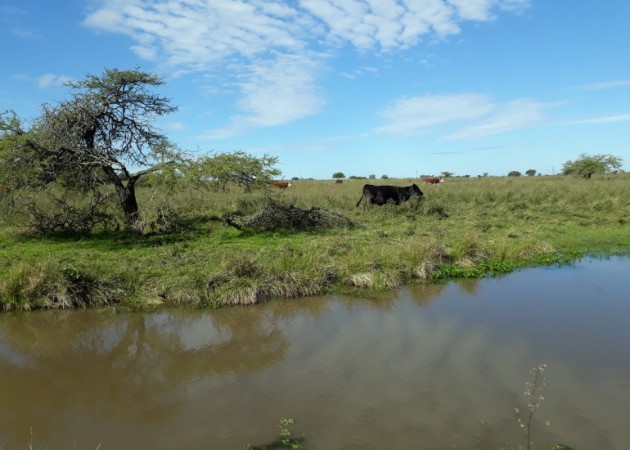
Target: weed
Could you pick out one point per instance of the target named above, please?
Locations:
(534, 394)
(284, 441)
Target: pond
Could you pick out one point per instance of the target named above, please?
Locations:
(433, 366)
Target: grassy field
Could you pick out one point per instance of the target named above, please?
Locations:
(464, 227)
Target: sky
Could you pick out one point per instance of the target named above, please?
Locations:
(402, 88)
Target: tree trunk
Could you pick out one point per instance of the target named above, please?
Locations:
(128, 202)
(126, 195)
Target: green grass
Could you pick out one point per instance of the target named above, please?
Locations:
(464, 227)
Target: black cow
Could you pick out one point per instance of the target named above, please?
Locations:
(382, 194)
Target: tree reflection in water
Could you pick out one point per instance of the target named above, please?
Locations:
(103, 365)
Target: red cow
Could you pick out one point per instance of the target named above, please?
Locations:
(281, 184)
(339, 181)
(433, 180)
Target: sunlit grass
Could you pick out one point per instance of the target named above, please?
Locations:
(464, 227)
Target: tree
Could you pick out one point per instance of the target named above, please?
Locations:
(447, 174)
(94, 147)
(15, 152)
(514, 173)
(587, 165)
(16, 168)
(239, 167)
(102, 132)
(530, 172)
(338, 175)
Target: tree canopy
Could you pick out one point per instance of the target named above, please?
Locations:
(238, 167)
(16, 152)
(587, 165)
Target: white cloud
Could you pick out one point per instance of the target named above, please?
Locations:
(359, 71)
(275, 92)
(193, 33)
(203, 35)
(517, 6)
(175, 126)
(606, 85)
(206, 31)
(415, 115)
(604, 119)
(511, 116)
(474, 9)
(49, 79)
(474, 115)
(383, 24)
(108, 18)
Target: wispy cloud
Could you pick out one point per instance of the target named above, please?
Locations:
(472, 115)
(513, 115)
(25, 33)
(197, 34)
(266, 35)
(15, 19)
(416, 115)
(174, 126)
(604, 119)
(474, 9)
(49, 79)
(606, 85)
(274, 92)
(358, 72)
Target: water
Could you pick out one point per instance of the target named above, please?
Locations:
(426, 367)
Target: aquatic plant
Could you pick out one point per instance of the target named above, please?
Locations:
(534, 394)
(284, 441)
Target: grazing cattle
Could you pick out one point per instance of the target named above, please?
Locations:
(281, 184)
(433, 180)
(339, 181)
(382, 194)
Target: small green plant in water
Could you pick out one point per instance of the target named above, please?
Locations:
(285, 434)
(285, 440)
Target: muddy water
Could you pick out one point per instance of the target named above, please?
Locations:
(430, 367)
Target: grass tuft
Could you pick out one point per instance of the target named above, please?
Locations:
(34, 285)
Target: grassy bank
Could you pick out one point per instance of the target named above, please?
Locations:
(465, 227)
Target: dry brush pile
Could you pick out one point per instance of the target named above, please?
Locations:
(276, 216)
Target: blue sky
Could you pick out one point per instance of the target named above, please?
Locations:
(385, 87)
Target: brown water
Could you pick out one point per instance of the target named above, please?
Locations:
(428, 367)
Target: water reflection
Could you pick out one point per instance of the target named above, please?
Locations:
(431, 366)
(114, 365)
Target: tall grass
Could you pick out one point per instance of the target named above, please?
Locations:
(464, 227)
